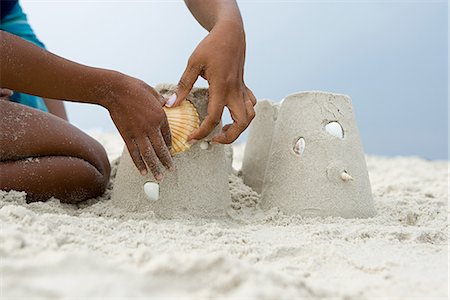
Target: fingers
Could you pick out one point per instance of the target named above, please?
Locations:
(185, 84)
(215, 110)
(150, 158)
(242, 114)
(146, 153)
(230, 133)
(166, 134)
(249, 104)
(161, 150)
(251, 96)
(135, 154)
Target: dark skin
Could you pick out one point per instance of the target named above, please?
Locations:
(64, 162)
(56, 107)
(72, 166)
(135, 108)
(219, 58)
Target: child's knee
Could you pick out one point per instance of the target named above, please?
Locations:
(88, 181)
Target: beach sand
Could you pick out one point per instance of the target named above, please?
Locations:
(54, 250)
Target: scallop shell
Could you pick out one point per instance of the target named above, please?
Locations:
(183, 120)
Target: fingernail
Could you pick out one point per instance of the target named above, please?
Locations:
(143, 172)
(192, 142)
(171, 100)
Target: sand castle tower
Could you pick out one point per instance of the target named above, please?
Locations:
(258, 145)
(198, 186)
(316, 164)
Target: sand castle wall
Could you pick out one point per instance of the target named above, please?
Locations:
(198, 185)
(257, 149)
(311, 168)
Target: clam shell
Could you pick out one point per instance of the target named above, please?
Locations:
(299, 146)
(335, 129)
(151, 190)
(183, 120)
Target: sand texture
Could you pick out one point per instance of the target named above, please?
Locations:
(198, 185)
(259, 141)
(310, 176)
(52, 250)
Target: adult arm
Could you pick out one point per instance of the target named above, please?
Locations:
(219, 58)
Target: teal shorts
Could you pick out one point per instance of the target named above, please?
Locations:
(15, 22)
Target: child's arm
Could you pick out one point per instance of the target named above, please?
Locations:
(219, 58)
(135, 107)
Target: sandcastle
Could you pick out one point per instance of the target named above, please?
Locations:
(197, 186)
(257, 149)
(305, 157)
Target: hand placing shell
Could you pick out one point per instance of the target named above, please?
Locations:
(183, 120)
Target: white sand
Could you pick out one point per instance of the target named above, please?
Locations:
(53, 250)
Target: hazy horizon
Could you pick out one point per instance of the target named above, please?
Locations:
(390, 57)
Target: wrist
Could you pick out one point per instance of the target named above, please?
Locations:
(232, 25)
(230, 31)
(109, 89)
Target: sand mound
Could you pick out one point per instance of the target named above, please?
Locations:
(54, 250)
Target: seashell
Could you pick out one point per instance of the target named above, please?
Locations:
(299, 146)
(335, 129)
(151, 190)
(204, 145)
(346, 177)
(183, 120)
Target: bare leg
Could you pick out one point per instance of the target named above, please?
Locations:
(56, 107)
(46, 156)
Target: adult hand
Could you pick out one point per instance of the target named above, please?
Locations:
(136, 110)
(219, 58)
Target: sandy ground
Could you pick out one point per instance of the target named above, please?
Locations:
(53, 250)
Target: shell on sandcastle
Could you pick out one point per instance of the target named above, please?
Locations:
(183, 120)
(309, 151)
(205, 195)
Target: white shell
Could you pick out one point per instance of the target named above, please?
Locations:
(151, 190)
(204, 145)
(335, 129)
(346, 177)
(299, 146)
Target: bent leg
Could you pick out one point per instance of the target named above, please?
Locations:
(56, 107)
(46, 156)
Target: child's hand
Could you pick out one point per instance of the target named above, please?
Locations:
(136, 109)
(219, 58)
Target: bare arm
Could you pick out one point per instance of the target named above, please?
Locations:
(208, 13)
(27, 68)
(219, 58)
(134, 106)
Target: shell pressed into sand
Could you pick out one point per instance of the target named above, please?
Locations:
(183, 120)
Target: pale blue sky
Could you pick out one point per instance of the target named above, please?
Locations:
(389, 56)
